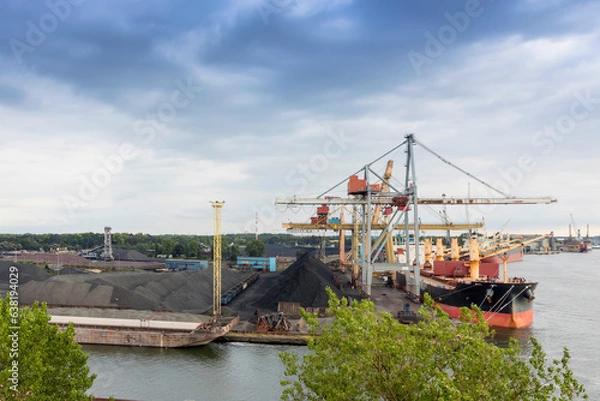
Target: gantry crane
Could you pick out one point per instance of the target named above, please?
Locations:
(217, 206)
(323, 222)
(365, 196)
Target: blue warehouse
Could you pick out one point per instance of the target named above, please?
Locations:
(269, 264)
(181, 264)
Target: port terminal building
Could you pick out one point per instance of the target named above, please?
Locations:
(265, 264)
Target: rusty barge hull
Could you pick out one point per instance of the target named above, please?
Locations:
(266, 337)
(99, 334)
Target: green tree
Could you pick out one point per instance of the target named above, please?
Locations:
(167, 246)
(191, 248)
(37, 361)
(368, 355)
(178, 250)
(255, 248)
(230, 252)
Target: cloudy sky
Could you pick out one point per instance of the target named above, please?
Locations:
(136, 114)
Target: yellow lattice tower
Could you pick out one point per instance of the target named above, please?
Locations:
(217, 259)
(355, 241)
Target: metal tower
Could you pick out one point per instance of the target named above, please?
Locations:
(217, 259)
(107, 252)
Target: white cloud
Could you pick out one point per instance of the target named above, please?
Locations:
(307, 8)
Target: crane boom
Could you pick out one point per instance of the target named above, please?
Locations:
(577, 231)
(379, 226)
(389, 200)
(389, 244)
(509, 247)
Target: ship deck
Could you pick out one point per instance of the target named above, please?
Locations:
(448, 283)
(125, 323)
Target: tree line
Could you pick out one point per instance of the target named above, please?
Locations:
(176, 245)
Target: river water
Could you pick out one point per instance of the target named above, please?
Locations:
(567, 314)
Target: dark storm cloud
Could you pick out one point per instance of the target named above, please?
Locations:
(271, 88)
(111, 46)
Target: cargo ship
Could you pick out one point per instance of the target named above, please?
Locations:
(575, 246)
(453, 284)
(505, 304)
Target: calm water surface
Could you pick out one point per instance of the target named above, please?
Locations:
(567, 313)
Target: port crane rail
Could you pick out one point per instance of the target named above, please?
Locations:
(365, 194)
(379, 226)
(388, 199)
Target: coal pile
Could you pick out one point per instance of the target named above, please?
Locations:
(303, 282)
(131, 255)
(187, 291)
(26, 272)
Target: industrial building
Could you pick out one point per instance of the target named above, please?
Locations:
(267, 264)
(182, 264)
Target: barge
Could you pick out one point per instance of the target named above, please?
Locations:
(144, 333)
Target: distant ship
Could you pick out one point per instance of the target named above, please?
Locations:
(576, 244)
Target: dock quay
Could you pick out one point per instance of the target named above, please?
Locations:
(109, 399)
(542, 252)
(141, 328)
(245, 331)
(286, 338)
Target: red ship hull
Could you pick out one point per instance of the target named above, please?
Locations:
(513, 256)
(511, 320)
